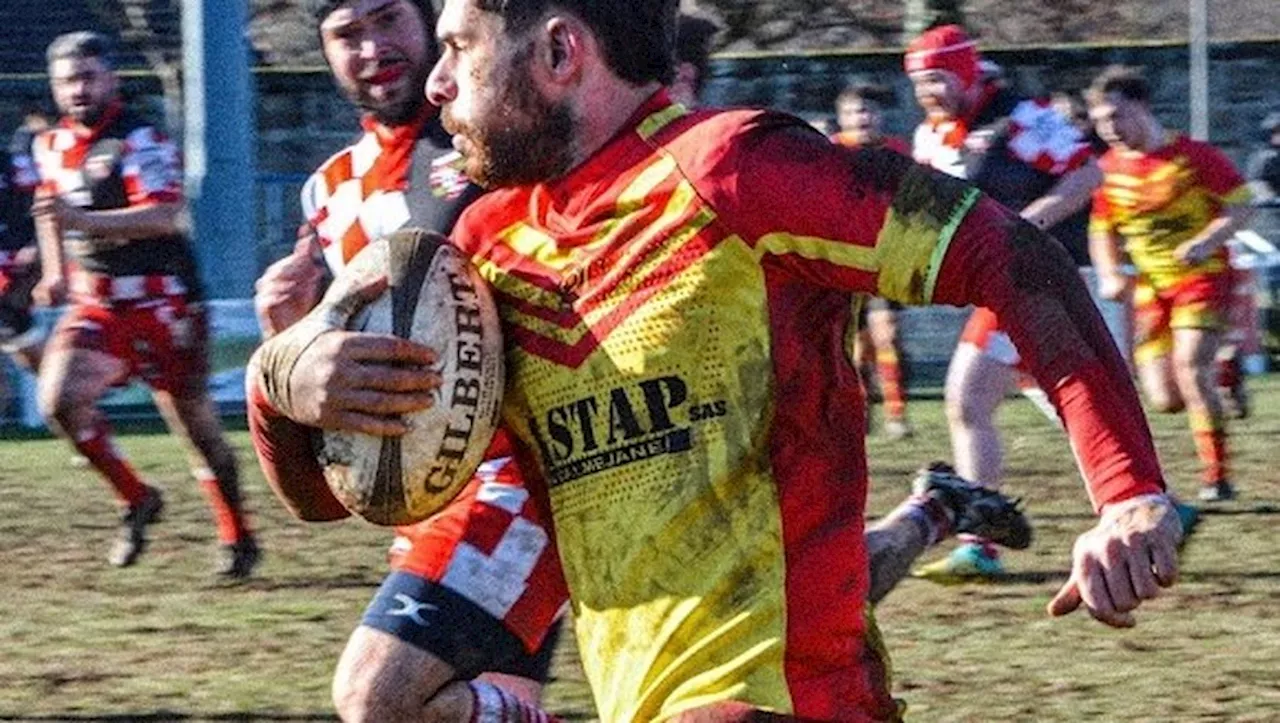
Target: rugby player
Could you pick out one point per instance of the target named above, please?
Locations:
(452, 607)
(111, 195)
(1172, 203)
(676, 286)
(1029, 158)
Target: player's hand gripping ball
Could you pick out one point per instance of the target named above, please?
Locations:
(435, 298)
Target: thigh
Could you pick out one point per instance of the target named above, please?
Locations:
(82, 360)
(1152, 333)
(976, 379)
(170, 343)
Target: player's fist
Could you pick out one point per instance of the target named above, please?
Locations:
(290, 287)
(1113, 287)
(1125, 559)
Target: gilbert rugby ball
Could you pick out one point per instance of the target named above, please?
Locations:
(435, 298)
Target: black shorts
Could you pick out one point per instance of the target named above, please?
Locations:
(442, 622)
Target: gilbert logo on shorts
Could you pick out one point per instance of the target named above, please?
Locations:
(623, 426)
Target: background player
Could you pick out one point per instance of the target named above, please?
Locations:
(479, 614)
(111, 194)
(877, 351)
(19, 256)
(1031, 159)
(1174, 203)
(681, 556)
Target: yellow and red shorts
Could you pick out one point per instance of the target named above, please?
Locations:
(1195, 301)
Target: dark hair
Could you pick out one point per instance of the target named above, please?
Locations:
(320, 9)
(1125, 80)
(638, 36)
(881, 95)
(79, 45)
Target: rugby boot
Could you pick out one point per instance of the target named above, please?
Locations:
(1219, 491)
(970, 562)
(236, 560)
(977, 511)
(132, 537)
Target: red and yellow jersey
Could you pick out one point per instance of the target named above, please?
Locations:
(675, 310)
(1156, 201)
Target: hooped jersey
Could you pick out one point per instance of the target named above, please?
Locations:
(1156, 201)
(122, 162)
(675, 310)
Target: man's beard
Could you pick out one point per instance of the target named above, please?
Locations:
(89, 115)
(532, 142)
(398, 112)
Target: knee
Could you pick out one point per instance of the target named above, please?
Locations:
(372, 694)
(968, 411)
(359, 701)
(58, 406)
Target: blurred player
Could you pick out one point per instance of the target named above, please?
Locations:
(860, 114)
(478, 610)
(1028, 157)
(1173, 203)
(20, 337)
(111, 196)
(676, 287)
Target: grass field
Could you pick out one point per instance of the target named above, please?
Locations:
(160, 641)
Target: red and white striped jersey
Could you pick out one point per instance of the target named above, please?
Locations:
(121, 162)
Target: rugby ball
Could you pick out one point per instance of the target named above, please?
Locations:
(436, 298)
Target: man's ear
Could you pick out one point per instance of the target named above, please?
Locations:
(565, 47)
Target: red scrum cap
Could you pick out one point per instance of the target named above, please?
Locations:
(946, 48)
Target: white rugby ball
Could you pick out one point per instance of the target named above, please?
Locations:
(435, 298)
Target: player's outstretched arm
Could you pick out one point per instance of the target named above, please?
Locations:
(1028, 280)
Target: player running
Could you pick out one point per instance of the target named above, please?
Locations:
(1029, 158)
(676, 287)
(111, 194)
(1174, 203)
(467, 637)
(477, 588)
(860, 115)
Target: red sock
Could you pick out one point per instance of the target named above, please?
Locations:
(224, 501)
(889, 366)
(1211, 446)
(97, 447)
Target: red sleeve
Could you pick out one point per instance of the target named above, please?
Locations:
(867, 221)
(998, 261)
(1214, 170)
(285, 454)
